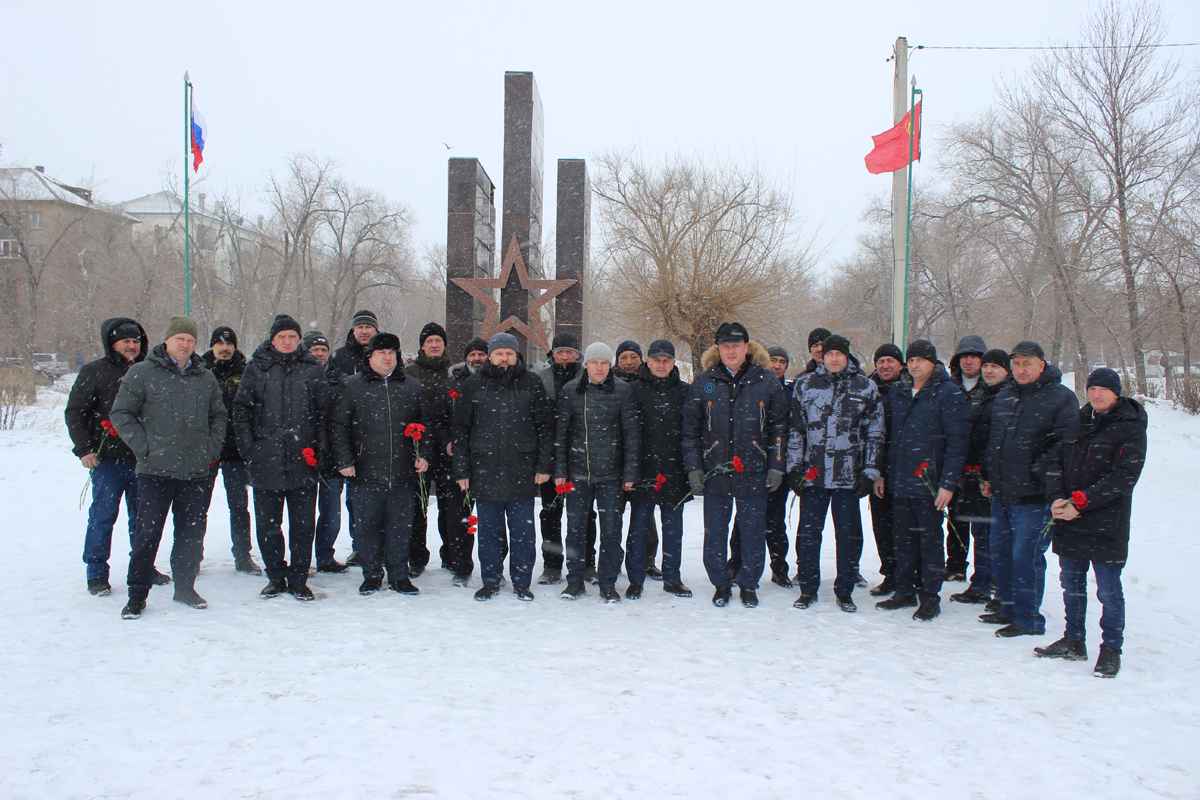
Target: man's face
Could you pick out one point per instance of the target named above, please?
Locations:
(733, 354)
(629, 362)
(779, 366)
(434, 346)
(661, 366)
(1101, 399)
(475, 358)
(364, 332)
(920, 369)
(597, 370)
(286, 341)
(888, 368)
(565, 355)
(223, 351)
(383, 362)
(128, 349)
(817, 351)
(835, 361)
(1027, 369)
(994, 374)
(970, 364)
(321, 352)
(503, 357)
(180, 346)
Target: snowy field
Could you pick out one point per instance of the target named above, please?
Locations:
(390, 696)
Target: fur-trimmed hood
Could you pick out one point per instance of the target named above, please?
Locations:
(756, 353)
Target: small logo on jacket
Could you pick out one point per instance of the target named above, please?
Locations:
(710, 387)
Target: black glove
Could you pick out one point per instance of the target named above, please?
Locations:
(696, 479)
(774, 479)
(863, 486)
(796, 480)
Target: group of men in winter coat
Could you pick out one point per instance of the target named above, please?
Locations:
(995, 445)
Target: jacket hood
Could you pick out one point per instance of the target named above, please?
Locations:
(969, 344)
(756, 354)
(108, 326)
(266, 355)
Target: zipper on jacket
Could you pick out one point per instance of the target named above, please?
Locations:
(388, 396)
(587, 442)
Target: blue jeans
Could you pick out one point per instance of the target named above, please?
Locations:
(672, 540)
(329, 516)
(110, 480)
(492, 540)
(752, 524)
(1019, 539)
(1108, 589)
(608, 498)
(237, 481)
(847, 526)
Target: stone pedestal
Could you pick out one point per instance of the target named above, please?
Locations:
(572, 240)
(522, 214)
(470, 248)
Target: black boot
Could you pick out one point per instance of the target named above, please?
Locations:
(676, 588)
(970, 596)
(160, 579)
(781, 579)
(550, 576)
(804, 601)
(1013, 629)
(300, 590)
(352, 559)
(653, 572)
(574, 590)
(185, 593)
(749, 598)
(523, 594)
(245, 564)
(860, 581)
(885, 587)
(929, 611)
(99, 587)
(994, 618)
(134, 608)
(609, 594)
(370, 586)
(403, 586)
(1108, 664)
(334, 566)
(721, 596)
(276, 587)
(591, 576)
(897, 601)
(633, 592)
(847, 605)
(485, 593)
(1064, 648)
(461, 579)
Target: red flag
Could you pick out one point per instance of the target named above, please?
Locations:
(892, 147)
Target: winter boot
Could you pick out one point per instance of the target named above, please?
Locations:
(574, 590)
(749, 598)
(352, 559)
(956, 577)
(334, 566)
(897, 601)
(403, 586)
(721, 596)
(1013, 629)
(591, 576)
(994, 618)
(653, 572)
(550, 577)
(414, 571)
(847, 605)
(609, 594)
(860, 581)
(485, 593)
(993, 606)
(634, 592)
(134, 608)
(970, 596)
(523, 594)
(1064, 648)
(275, 588)
(160, 579)
(928, 611)
(245, 564)
(99, 587)
(1108, 664)
(676, 588)
(804, 600)
(781, 579)
(462, 579)
(370, 586)
(185, 593)
(885, 587)
(300, 591)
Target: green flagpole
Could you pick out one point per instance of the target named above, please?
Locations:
(912, 127)
(187, 245)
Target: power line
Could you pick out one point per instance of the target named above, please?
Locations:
(1056, 47)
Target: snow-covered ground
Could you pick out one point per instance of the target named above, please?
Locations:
(390, 696)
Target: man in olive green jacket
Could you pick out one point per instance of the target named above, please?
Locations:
(171, 413)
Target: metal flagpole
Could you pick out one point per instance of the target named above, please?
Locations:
(187, 147)
(899, 240)
(912, 127)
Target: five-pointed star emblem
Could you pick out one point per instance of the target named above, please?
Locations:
(481, 289)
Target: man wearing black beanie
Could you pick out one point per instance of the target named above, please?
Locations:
(816, 347)
(889, 366)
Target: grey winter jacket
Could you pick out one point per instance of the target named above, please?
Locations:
(597, 434)
(173, 422)
(837, 426)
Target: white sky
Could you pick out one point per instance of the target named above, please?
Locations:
(93, 91)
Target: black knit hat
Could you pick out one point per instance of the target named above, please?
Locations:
(284, 323)
(838, 343)
(775, 351)
(432, 329)
(891, 350)
(128, 330)
(223, 334)
(565, 341)
(473, 345)
(921, 348)
(1107, 378)
(730, 332)
(1026, 347)
(314, 337)
(817, 336)
(998, 357)
(364, 317)
(629, 345)
(382, 341)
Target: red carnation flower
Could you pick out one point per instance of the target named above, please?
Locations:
(213, 464)
(108, 426)
(659, 481)
(811, 475)
(310, 456)
(414, 430)
(737, 464)
(453, 395)
(472, 520)
(1079, 500)
(924, 465)
(563, 488)
(471, 531)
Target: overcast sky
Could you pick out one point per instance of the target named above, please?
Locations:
(94, 90)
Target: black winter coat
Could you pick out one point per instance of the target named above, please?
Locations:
(431, 375)
(229, 376)
(1025, 434)
(555, 376)
(503, 433)
(92, 397)
(1102, 457)
(743, 416)
(349, 358)
(969, 503)
(367, 429)
(660, 408)
(281, 409)
(932, 427)
(597, 435)
(440, 410)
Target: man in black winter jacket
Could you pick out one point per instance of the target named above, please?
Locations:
(350, 358)
(596, 449)
(280, 414)
(1029, 419)
(431, 368)
(889, 366)
(113, 465)
(227, 364)
(966, 367)
(329, 489)
(374, 447)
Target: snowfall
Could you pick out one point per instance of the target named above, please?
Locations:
(390, 696)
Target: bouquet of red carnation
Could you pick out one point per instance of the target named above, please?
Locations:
(414, 431)
(472, 525)
(111, 431)
(920, 473)
(811, 474)
(1079, 500)
(310, 456)
(454, 395)
(563, 488)
(737, 465)
(659, 480)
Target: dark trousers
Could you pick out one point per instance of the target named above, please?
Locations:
(350, 515)
(1108, 589)
(237, 481)
(971, 528)
(187, 500)
(329, 517)
(457, 544)
(494, 540)
(881, 525)
(608, 499)
(110, 480)
(917, 538)
(385, 517)
(776, 535)
(650, 546)
(752, 511)
(641, 517)
(302, 526)
(848, 538)
(551, 525)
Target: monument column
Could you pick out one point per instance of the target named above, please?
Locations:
(522, 214)
(470, 248)
(572, 238)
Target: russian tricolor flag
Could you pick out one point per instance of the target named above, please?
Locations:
(199, 135)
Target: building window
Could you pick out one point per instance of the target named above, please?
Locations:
(35, 222)
(10, 248)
